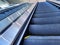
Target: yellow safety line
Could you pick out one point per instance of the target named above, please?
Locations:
(26, 37)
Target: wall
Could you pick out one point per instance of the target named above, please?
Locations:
(13, 1)
(41, 0)
(19, 1)
(3, 4)
(33, 1)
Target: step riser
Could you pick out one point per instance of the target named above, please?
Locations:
(52, 29)
(46, 15)
(50, 20)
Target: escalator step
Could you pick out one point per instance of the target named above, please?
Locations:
(42, 40)
(49, 20)
(50, 29)
(47, 15)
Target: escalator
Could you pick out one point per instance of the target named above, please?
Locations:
(44, 27)
(30, 24)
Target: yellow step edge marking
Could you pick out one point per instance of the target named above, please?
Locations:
(26, 37)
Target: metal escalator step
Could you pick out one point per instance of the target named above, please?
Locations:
(49, 20)
(42, 40)
(47, 15)
(50, 29)
(41, 12)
